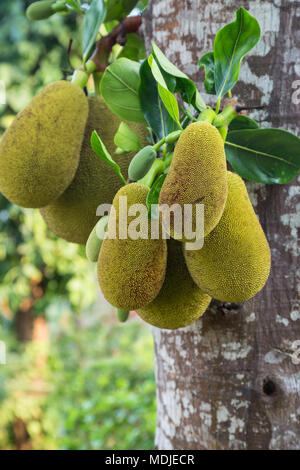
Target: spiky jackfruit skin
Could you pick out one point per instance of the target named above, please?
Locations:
(39, 153)
(131, 272)
(180, 302)
(197, 175)
(234, 263)
(73, 215)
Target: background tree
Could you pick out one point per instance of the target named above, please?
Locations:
(229, 380)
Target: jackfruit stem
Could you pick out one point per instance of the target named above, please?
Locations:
(90, 67)
(60, 7)
(225, 117)
(158, 166)
(157, 146)
(80, 77)
(97, 79)
(223, 132)
(208, 115)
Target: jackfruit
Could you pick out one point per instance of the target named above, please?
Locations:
(39, 152)
(131, 271)
(234, 263)
(197, 175)
(40, 10)
(180, 302)
(73, 215)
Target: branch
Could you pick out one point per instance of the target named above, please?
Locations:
(116, 36)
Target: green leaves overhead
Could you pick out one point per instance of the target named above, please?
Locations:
(118, 9)
(166, 96)
(232, 43)
(126, 139)
(134, 48)
(119, 88)
(207, 61)
(93, 19)
(153, 108)
(100, 149)
(177, 81)
(264, 155)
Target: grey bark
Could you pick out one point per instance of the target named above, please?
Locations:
(228, 381)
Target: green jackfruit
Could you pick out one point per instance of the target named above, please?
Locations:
(40, 10)
(197, 175)
(180, 302)
(131, 272)
(73, 215)
(234, 263)
(39, 153)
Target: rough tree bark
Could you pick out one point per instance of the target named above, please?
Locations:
(228, 381)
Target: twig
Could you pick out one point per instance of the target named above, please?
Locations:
(116, 36)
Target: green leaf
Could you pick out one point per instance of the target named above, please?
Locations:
(134, 48)
(100, 149)
(118, 9)
(242, 122)
(153, 196)
(166, 96)
(93, 19)
(170, 102)
(182, 83)
(119, 88)
(264, 155)
(142, 5)
(126, 139)
(153, 108)
(232, 43)
(207, 61)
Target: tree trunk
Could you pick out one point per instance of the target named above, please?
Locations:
(230, 380)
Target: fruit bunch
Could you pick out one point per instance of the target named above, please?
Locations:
(47, 162)
(169, 285)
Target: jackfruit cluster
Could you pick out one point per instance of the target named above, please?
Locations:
(46, 159)
(180, 302)
(170, 286)
(73, 215)
(46, 162)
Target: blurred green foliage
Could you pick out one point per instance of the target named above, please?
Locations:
(88, 386)
(97, 391)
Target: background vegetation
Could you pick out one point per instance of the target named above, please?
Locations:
(75, 378)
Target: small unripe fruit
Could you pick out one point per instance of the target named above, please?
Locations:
(95, 240)
(40, 10)
(173, 137)
(122, 315)
(141, 163)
